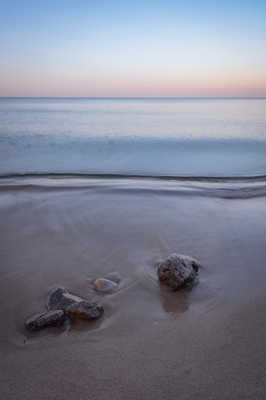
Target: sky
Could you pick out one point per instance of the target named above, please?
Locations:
(140, 48)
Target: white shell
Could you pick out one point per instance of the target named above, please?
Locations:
(104, 285)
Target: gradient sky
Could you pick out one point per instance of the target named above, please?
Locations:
(159, 48)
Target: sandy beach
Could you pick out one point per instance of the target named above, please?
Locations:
(206, 342)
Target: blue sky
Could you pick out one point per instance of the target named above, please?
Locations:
(133, 49)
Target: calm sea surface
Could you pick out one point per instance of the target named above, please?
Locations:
(189, 138)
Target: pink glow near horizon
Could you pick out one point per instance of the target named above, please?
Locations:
(141, 86)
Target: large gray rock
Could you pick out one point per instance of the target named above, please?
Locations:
(42, 320)
(84, 310)
(60, 299)
(178, 271)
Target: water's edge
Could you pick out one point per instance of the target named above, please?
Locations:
(221, 187)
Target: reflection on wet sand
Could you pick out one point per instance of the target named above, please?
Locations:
(174, 302)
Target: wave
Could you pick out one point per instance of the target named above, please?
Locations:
(244, 187)
(210, 178)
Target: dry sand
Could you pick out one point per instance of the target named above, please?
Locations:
(207, 342)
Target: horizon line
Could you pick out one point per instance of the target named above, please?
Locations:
(132, 98)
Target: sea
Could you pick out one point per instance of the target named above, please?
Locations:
(183, 139)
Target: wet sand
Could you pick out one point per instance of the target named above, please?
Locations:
(207, 342)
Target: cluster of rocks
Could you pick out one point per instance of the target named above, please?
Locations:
(60, 304)
(176, 272)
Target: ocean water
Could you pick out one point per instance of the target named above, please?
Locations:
(165, 138)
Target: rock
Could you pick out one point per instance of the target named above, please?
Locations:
(42, 320)
(84, 310)
(61, 299)
(104, 285)
(178, 271)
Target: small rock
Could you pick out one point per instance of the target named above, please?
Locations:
(61, 299)
(178, 271)
(42, 320)
(104, 285)
(84, 310)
